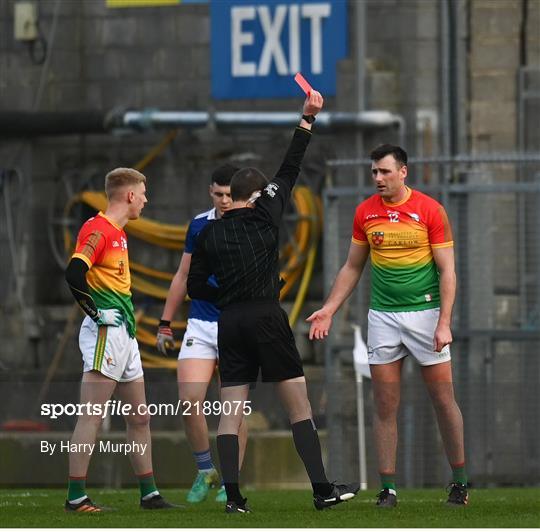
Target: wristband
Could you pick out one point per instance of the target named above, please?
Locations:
(309, 118)
(164, 323)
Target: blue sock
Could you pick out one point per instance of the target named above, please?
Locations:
(204, 460)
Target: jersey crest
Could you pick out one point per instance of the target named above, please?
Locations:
(377, 237)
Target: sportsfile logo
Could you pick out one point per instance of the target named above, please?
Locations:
(114, 407)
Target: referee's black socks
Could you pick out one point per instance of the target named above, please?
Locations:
(306, 441)
(227, 445)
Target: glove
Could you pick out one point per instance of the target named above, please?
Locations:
(164, 337)
(111, 317)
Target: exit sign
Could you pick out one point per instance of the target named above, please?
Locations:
(259, 45)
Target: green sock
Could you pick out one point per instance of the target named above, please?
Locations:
(147, 484)
(458, 473)
(388, 481)
(76, 488)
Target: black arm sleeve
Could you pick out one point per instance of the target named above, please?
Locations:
(276, 194)
(76, 280)
(199, 272)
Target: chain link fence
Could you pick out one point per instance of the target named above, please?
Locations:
(494, 206)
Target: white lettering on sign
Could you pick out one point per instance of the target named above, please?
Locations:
(273, 26)
(294, 39)
(316, 12)
(272, 47)
(240, 39)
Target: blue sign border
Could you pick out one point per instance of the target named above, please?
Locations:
(334, 32)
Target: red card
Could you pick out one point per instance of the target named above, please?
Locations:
(304, 85)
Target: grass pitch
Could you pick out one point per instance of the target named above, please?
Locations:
(284, 508)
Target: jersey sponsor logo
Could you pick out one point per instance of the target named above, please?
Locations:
(377, 237)
(115, 244)
(371, 216)
(271, 189)
(414, 216)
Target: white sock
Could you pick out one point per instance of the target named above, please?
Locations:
(150, 495)
(77, 501)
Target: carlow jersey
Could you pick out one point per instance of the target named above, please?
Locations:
(404, 276)
(199, 309)
(102, 245)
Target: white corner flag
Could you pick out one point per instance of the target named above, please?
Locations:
(360, 355)
(361, 368)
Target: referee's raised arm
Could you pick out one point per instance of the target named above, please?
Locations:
(276, 194)
(290, 167)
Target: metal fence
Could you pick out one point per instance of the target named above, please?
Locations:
(494, 206)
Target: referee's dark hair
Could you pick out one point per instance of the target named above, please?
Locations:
(399, 154)
(222, 175)
(245, 182)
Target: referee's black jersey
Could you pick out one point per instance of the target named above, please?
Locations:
(242, 248)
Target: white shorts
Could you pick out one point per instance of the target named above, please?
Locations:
(394, 335)
(200, 340)
(110, 350)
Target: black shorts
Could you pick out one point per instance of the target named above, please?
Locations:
(253, 335)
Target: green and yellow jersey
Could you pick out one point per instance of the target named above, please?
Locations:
(401, 236)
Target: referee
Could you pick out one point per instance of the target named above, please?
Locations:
(242, 251)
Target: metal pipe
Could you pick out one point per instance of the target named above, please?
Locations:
(510, 157)
(453, 188)
(154, 119)
(360, 34)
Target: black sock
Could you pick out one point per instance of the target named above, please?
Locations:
(306, 441)
(227, 445)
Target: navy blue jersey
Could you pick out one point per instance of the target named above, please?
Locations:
(199, 309)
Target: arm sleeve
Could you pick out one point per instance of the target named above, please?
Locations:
(76, 280)
(439, 230)
(276, 194)
(199, 273)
